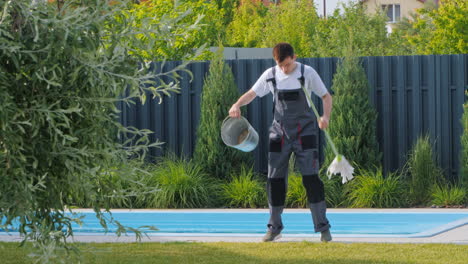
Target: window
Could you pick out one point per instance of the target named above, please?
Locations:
(393, 12)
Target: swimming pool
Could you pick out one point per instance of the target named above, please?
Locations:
(297, 223)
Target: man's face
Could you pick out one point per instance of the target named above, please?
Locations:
(288, 64)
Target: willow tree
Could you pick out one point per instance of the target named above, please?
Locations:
(64, 67)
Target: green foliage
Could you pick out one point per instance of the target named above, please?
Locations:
(366, 33)
(423, 171)
(246, 28)
(372, 189)
(63, 71)
(353, 121)
(442, 30)
(186, 39)
(178, 183)
(464, 147)
(244, 190)
(335, 191)
(219, 92)
(229, 7)
(292, 21)
(120, 184)
(447, 195)
(296, 195)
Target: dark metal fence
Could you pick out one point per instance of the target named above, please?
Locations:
(414, 95)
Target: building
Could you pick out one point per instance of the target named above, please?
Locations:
(395, 9)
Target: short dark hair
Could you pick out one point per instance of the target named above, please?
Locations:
(282, 50)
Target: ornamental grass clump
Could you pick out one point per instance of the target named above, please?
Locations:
(178, 183)
(423, 172)
(448, 195)
(244, 190)
(296, 193)
(370, 189)
(335, 192)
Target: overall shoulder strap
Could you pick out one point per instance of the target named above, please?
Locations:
(273, 79)
(302, 79)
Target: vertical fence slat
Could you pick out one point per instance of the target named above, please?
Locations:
(417, 98)
(386, 115)
(460, 83)
(433, 105)
(444, 125)
(402, 109)
(186, 113)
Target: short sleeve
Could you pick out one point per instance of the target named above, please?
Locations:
(315, 83)
(261, 87)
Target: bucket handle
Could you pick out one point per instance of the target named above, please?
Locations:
(227, 117)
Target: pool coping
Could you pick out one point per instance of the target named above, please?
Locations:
(445, 231)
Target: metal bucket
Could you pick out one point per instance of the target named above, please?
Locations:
(239, 134)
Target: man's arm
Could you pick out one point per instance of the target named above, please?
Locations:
(327, 108)
(245, 99)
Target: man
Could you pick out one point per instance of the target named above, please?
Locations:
(294, 129)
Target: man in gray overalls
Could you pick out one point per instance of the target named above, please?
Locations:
(294, 129)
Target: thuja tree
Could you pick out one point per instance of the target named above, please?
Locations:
(64, 68)
(353, 120)
(352, 125)
(219, 93)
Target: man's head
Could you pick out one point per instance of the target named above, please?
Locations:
(283, 53)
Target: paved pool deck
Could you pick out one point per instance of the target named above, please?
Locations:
(456, 235)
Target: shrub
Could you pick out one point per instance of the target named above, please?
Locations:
(296, 195)
(423, 171)
(244, 190)
(446, 195)
(293, 21)
(63, 69)
(120, 185)
(351, 25)
(182, 45)
(177, 183)
(246, 28)
(219, 93)
(335, 191)
(353, 121)
(372, 189)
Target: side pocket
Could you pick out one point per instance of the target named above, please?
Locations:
(309, 142)
(275, 145)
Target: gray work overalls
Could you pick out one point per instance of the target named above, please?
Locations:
(294, 129)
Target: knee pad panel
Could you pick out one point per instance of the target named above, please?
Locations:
(276, 189)
(314, 188)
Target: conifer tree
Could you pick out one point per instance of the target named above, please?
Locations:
(219, 93)
(353, 120)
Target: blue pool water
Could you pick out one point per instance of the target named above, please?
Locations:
(345, 223)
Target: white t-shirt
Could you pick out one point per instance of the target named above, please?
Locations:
(290, 81)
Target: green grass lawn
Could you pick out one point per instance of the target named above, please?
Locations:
(239, 253)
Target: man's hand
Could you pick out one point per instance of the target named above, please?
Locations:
(235, 111)
(323, 122)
